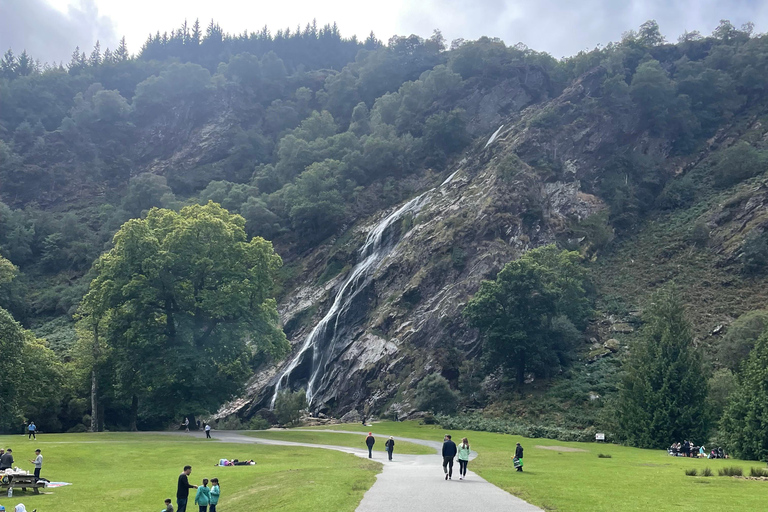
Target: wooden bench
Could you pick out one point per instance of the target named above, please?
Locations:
(22, 482)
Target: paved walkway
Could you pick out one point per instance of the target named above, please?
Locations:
(413, 483)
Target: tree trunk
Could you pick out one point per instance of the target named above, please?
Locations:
(134, 413)
(95, 383)
(521, 370)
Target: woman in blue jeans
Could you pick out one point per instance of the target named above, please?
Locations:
(215, 493)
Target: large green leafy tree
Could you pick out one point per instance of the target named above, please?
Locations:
(526, 316)
(664, 388)
(183, 302)
(744, 425)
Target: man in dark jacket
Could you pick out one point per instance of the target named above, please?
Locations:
(390, 446)
(369, 442)
(519, 457)
(449, 452)
(182, 491)
(6, 461)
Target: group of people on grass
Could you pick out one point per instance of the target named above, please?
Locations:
(203, 426)
(689, 449)
(449, 452)
(206, 498)
(6, 461)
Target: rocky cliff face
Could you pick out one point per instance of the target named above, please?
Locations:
(488, 210)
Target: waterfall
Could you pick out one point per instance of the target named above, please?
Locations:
(321, 342)
(493, 137)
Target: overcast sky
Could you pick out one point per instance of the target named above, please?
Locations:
(50, 29)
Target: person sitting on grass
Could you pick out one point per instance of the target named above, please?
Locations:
(215, 493)
(168, 506)
(203, 496)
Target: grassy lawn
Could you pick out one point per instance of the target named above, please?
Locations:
(127, 472)
(631, 480)
(348, 440)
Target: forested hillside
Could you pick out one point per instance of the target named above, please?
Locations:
(644, 157)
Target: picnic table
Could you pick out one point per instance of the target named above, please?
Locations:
(20, 480)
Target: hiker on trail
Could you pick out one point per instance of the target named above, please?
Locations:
(369, 442)
(208, 431)
(390, 446)
(182, 491)
(186, 424)
(203, 496)
(518, 460)
(6, 461)
(464, 452)
(38, 462)
(215, 493)
(449, 452)
(168, 506)
(32, 429)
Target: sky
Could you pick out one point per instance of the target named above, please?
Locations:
(50, 29)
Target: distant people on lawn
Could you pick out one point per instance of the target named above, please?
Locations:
(369, 442)
(38, 462)
(168, 505)
(186, 424)
(464, 452)
(390, 446)
(449, 452)
(215, 493)
(208, 431)
(518, 459)
(32, 430)
(6, 461)
(203, 496)
(182, 490)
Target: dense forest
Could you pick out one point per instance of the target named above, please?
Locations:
(303, 133)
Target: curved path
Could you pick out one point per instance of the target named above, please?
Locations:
(412, 483)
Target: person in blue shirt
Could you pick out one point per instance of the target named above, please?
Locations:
(32, 430)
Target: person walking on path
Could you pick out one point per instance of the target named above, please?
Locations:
(208, 431)
(390, 446)
(464, 452)
(203, 496)
(369, 442)
(32, 430)
(519, 457)
(215, 493)
(38, 462)
(6, 461)
(449, 452)
(182, 491)
(186, 424)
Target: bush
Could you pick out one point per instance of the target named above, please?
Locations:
(429, 419)
(604, 456)
(758, 472)
(699, 235)
(754, 252)
(738, 163)
(706, 472)
(731, 471)
(288, 406)
(258, 423)
(741, 337)
(691, 472)
(434, 394)
(77, 429)
(479, 423)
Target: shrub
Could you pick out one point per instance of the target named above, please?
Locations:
(429, 419)
(706, 472)
(479, 423)
(691, 472)
(434, 394)
(758, 472)
(741, 337)
(288, 406)
(699, 235)
(754, 252)
(258, 423)
(731, 471)
(77, 429)
(604, 456)
(738, 163)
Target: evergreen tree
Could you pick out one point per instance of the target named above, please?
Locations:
(663, 393)
(95, 59)
(25, 65)
(121, 54)
(744, 426)
(196, 34)
(8, 65)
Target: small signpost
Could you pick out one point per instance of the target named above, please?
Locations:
(599, 437)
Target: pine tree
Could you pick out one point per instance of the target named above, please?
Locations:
(25, 66)
(744, 426)
(109, 57)
(121, 54)
(663, 392)
(74, 63)
(8, 65)
(196, 34)
(95, 59)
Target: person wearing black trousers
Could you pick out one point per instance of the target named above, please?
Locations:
(369, 442)
(390, 446)
(519, 457)
(449, 452)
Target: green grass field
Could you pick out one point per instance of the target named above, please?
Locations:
(579, 481)
(123, 472)
(347, 440)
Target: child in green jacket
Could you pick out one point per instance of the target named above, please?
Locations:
(215, 493)
(203, 496)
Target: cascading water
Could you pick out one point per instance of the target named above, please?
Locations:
(322, 341)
